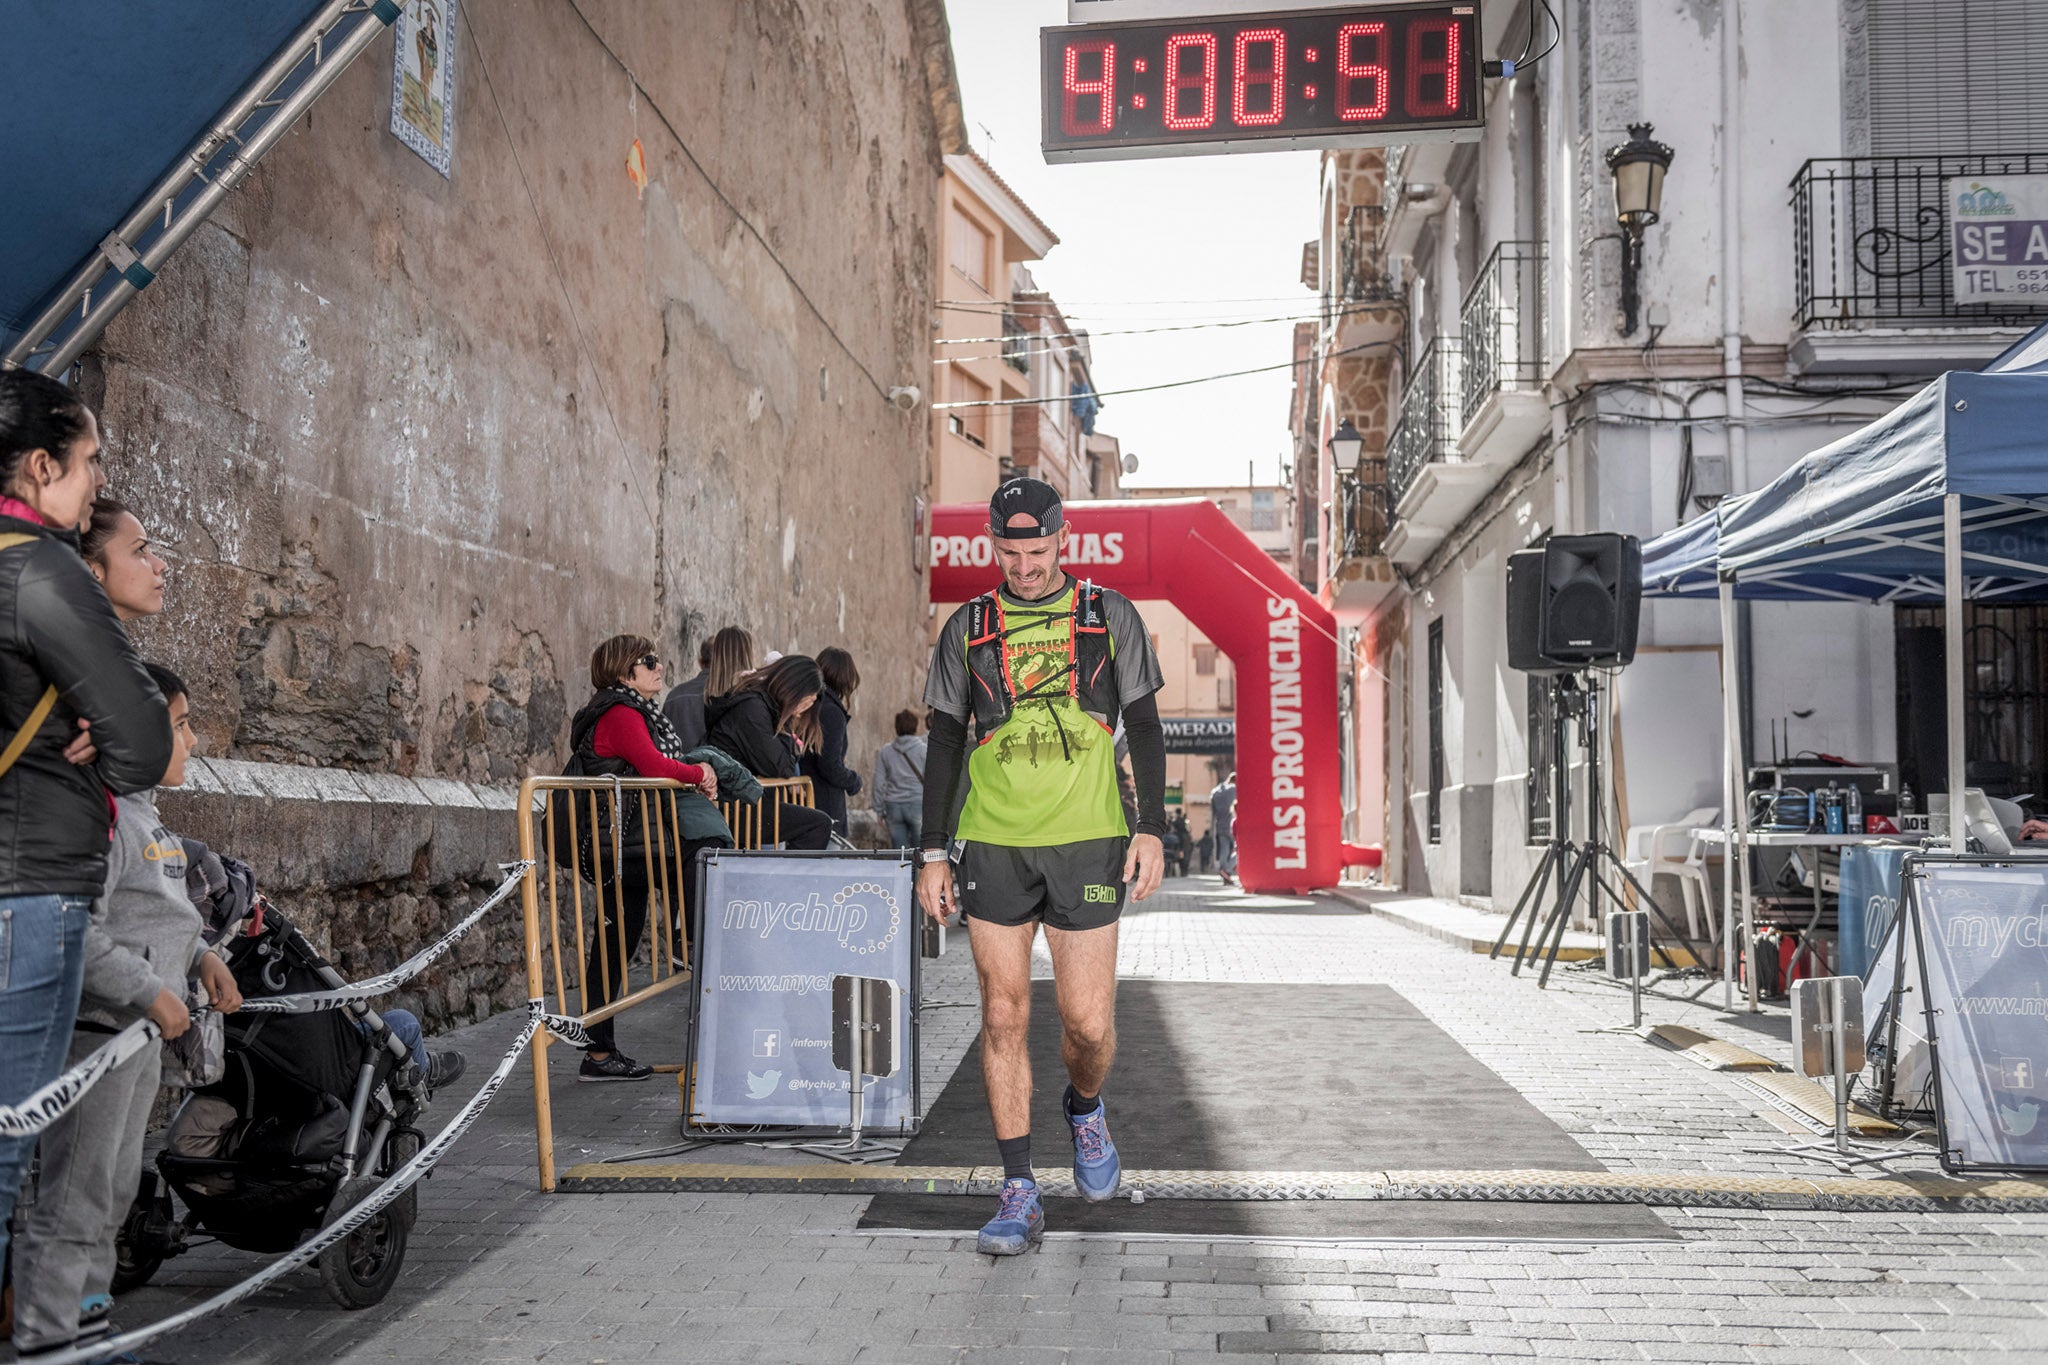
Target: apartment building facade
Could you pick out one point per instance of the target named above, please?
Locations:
(1474, 385)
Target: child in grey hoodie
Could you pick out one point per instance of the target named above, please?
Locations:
(142, 947)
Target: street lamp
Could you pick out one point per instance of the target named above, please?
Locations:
(1638, 167)
(1346, 445)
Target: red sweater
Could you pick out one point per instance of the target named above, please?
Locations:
(622, 733)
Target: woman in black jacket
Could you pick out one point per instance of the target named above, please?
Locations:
(89, 722)
(754, 723)
(620, 732)
(825, 762)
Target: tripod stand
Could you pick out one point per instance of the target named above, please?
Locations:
(1567, 864)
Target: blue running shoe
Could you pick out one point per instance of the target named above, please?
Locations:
(1019, 1221)
(1097, 1172)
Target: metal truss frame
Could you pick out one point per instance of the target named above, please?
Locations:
(129, 257)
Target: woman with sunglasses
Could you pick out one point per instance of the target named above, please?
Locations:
(622, 732)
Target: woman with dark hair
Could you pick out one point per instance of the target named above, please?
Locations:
(754, 723)
(825, 762)
(118, 552)
(621, 732)
(65, 666)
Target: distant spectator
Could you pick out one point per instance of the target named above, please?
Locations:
(899, 782)
(732, 659)
(1222, 809)
(825, 761)
(754, 723)
(95, 723)
(1183, 845)
(117, 550)
(1205, 850)
(1170, 847)
(620, 731)
(684, 706)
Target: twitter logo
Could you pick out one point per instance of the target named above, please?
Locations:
(761, 1087)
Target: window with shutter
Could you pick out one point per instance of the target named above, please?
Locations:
(1958, 76)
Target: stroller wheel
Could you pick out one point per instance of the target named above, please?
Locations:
(360, 1269)
(141, 1244)
(404, 1146)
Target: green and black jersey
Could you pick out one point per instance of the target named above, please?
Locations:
(1048, 774)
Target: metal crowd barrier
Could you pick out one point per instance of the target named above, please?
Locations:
(558, 886)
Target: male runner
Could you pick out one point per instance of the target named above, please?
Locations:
(1043, 841)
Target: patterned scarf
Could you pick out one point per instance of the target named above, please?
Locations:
(665, 737)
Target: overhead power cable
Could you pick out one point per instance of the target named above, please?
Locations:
(1317, 316)
(1153, 388)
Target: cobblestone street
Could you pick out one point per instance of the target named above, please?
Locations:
(499, 1272)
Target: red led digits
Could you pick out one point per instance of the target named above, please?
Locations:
(1104, 88)
(1179, 79)
(1420, 66)
(1353, 73)
(1273, 78)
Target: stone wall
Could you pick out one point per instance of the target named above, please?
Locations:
(413, 445)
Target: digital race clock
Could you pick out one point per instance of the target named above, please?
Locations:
(1355, 76)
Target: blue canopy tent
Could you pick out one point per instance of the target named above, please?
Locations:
(1945, 498)
(129, 121)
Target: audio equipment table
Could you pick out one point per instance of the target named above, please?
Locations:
(1775, 839)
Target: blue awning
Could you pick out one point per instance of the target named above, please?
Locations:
(1861, 518)
(101, 101)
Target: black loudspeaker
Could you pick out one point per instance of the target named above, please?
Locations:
(1525, 614)
(1592, 599)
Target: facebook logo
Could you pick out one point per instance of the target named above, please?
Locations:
(767, 1042)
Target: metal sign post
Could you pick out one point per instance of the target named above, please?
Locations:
(864, 1043)
(1628, 955)
(1827, 1040)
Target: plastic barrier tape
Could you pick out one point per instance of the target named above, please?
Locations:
(397, 1183)
(54, 1100)
(390, 981)
(49, 1104)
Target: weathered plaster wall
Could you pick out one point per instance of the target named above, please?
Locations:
(414, 445)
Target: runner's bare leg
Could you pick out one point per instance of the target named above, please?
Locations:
(1084, 978)
(1002, 959)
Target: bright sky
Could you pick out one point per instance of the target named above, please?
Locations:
(1150, 244)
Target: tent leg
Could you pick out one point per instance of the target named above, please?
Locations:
(1731, 786)
(1952, 625)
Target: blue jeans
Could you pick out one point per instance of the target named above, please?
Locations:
(906, 822)
(405, 1027)
(42, 967)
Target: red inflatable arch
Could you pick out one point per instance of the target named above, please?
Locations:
(1281, 640)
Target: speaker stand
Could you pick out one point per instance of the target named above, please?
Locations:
(1587, 865)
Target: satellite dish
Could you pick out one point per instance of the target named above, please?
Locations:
(1130, 464)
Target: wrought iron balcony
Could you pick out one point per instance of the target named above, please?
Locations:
(1426, 432)
(1871, 241)
(1361, 511)
(1363, 273)
(1502, 326)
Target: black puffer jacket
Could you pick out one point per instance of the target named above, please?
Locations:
(58, 630)
(742, 722)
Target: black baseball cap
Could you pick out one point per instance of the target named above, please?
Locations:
(1034, 498)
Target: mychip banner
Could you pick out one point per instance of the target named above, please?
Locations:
(774, 929)
(1981, 926)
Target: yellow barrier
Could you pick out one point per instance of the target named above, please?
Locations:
(582, 811)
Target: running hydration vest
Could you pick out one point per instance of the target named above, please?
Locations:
(1088, 676)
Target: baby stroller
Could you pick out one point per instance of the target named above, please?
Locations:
(311, 1114)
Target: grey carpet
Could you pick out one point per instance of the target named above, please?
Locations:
(1216, 1076)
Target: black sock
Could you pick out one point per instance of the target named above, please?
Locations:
(1016, 1153)
(1077, 1104)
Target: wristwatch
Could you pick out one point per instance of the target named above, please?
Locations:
(927, 856)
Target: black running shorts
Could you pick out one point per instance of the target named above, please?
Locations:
(1069, 886)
